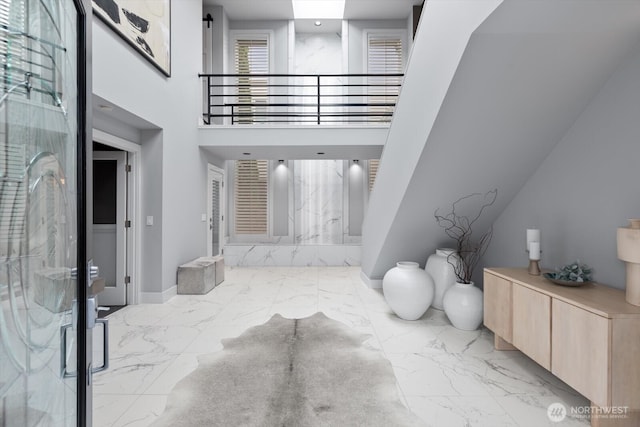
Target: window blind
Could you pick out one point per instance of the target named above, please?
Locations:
(373, 171)
(13, 203)
(251, 193)
(251, 57)
(384, 56)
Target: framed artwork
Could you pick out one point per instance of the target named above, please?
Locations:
(144, 24)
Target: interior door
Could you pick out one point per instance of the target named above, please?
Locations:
(109, 246)
(43, 275)
(215, 210)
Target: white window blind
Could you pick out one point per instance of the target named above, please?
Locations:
(13, 203)
(384, 56)
(251, 196)
(251, 57)
(373, 171)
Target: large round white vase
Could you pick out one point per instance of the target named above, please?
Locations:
(440, 267)
(463, 306)
(408, 290)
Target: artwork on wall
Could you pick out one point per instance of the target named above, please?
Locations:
(144, 24)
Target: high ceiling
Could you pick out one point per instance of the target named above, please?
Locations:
(241, 10)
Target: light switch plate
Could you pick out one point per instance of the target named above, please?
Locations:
(149, 220)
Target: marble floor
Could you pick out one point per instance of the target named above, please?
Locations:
(445, 376)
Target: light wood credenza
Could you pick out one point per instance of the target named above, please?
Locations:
(587, 336)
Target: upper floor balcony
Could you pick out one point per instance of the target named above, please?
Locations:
(300, 99)
(280, 116)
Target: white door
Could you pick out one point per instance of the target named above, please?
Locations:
(109, 231)
(215, 211)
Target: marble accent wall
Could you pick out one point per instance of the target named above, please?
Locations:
(320, 54)
(318, 201)
(292, 255)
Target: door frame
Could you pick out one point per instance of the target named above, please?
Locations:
(134, 247)
(211, 171)
(122, 249)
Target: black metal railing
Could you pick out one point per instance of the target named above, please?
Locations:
(299, 98)
(28, 66)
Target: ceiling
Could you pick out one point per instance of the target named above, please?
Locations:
(265, 10)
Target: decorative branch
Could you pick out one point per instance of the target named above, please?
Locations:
(459, 227)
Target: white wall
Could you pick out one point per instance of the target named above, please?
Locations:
(172, 105)
(318, 53)
(585, 188)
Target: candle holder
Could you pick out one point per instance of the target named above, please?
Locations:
(534, 267)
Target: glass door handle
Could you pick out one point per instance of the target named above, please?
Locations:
(92, 320)
(105, 346)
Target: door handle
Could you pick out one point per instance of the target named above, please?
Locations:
(63, 351)
(92, 320)
(105, 346)
(64, 329)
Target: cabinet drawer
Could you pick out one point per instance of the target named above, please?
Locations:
(497, 306)
(532, 324)
(580, 351)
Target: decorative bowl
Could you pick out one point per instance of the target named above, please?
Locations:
(552, 278)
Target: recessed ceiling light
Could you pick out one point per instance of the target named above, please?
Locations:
(106, 107)
(247, 154)
(317, 23)
(320, 153)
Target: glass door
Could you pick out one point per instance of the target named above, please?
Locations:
(215, 209)
(42, 244)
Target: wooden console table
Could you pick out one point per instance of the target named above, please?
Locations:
(587, 336)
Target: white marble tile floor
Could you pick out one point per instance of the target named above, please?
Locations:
(447, 377)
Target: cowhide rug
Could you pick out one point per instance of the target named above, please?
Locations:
(290, 372)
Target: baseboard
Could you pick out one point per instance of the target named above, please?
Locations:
(158, 297)
(371, 283)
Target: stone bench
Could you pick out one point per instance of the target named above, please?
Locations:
(199, 276)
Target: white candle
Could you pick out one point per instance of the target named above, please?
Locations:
(533, 235)
(534, 250)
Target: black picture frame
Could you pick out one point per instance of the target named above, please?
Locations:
(143, 24)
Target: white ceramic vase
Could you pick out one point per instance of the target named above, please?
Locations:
(439, 266)
(464, 306)
(408, 290)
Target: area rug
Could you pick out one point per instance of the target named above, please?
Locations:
(290, 372)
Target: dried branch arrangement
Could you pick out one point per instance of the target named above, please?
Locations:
(459, 226)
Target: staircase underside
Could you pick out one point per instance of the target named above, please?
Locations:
(510, 90)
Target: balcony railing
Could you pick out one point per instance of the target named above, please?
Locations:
(302, 99)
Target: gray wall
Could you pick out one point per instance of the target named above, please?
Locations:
(218, 33)
(586, 188)
(357, 188)
(280, 181)
(524, 77)
(151, 181)
(177, 195)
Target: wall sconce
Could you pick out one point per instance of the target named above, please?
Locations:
(281, 161)
(208, 20)
(356, 161)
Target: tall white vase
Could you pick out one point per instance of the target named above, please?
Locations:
(440, 267)
(463, 306)
(408, 290)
